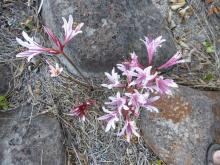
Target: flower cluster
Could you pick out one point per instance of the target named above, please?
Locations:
(34, 49)
(138, 88)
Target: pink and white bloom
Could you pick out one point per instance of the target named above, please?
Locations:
(152, 46)
(134, 61)
(129, 129)
(34, 48)
(127, 70)
(55, 71)
(113, 80)
(148, 102)
(81, 110)
(111, 118)
(70, 33)
(128, 67)
(164, 86)
(118, 103)
(136, 99)
(143, 77)
(176, 59)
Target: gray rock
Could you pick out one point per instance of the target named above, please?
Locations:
(186, 125)
(112, 30)
(5, 78)
(25, 142)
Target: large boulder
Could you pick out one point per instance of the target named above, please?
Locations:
(187, 124)
(112, 30)
(26, 141)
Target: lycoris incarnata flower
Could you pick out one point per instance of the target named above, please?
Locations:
(176, 59)
(134, 61)
(136, 99)
(81, 110)
(141, 90)
(152, 46)
(128, 67)
(113, 80)
(35, 49)
(111, 118)
(68, 29)
(118, 103)
(54, 71)
(149, 101)
(164, 85)
(143, 76)
(129, 129)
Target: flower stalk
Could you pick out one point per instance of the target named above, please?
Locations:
(77, 69)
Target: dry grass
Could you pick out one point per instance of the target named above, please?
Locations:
(189, 35)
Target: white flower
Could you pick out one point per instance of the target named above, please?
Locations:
(118, 103)
(113, 80)
(68, 29)
(143, 77)
(111, 118)
(55, 71)
(129, 128)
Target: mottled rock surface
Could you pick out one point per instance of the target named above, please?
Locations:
(29, 142)
(112, 30)
(5, 78)
(186, 125)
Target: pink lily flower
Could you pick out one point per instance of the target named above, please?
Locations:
(143, 77)
(148, 102)
(164, 85)
(136, 100)
(113, 80)
(69, 32)
(127, 70)
(81, 110)
(34, 48)
(118, 103)
(134, 61)
(151, 46)
(176, 59)
(129, 128)
(55, 39)
(111, 118)
(55, 71)
(128, 67)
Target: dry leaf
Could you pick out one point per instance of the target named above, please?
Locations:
(176, 4)
(27, 23)
(20, 69)
(169, 17)
(209, 1)
(183, 44)
(172, 24)
(30, 90)
(183, 12)
(186, 13)
(177, 1)
(213, 10)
